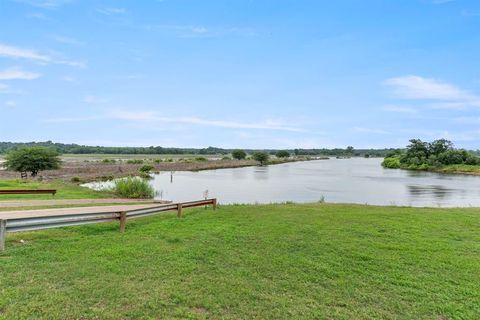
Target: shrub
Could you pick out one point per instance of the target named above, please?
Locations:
(32, 159)
(76, 180)
(133, 187)
(391, 163)
(109, 161)
(239, 154)
(226, 158)
(452, 157)
(157, 160)
(282, 154)
(261, 157)
(135, 161)
(146, 168)
(201, 159)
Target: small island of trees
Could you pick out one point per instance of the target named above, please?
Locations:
(438, 155)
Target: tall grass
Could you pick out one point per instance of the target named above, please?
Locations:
(133, 187)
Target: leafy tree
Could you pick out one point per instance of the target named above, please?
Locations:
(261, 157)
(282, 154)
(239, 154)
(440, 146)
(417, 152)
(349, 151)
(32, 159)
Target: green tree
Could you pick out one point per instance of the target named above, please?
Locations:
(417, 152)
(282, 154)
(32, 159)
(261, 157)
(440, 146)
(349, 151)
(239, 154)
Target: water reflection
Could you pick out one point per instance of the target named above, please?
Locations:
(347, 181)
(437, 191)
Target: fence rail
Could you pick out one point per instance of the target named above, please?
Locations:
(35, 191)
(47, 222)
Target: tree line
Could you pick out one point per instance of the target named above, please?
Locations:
(71, 148)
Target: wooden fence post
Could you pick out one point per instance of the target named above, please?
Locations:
(123, 221)
(179, 210)
(3, 233)
(214, 204)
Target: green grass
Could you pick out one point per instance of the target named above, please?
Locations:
(461, 168)
(317, 261)
(133, 187)
(64, 190)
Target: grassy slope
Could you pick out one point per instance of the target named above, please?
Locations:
(243, 262)
(64, 190)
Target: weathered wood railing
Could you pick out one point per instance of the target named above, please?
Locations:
(46, 222)
(35, 191)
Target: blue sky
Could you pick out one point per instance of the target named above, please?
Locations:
(240, 73)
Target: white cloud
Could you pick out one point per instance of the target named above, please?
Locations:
(442, 94)
(28, 54)
(69, 79)
(5, 89)
(17, 74)
(153, 117)
(37, 15)
(72, 119)
(188, 31)
(10, 103)
(94, 99)
(47, 4)
(400, 109)
(370, 130)
(110, 11)
(441, 1)
(67, 40)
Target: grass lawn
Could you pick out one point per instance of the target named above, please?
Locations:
(318, 261)
(64, 190)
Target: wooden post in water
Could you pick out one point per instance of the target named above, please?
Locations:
(179, 210)
(3, 233)
(123, 221)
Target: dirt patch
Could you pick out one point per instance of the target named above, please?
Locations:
(91, 171)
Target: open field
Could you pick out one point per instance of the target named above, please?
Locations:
(242, 262)
(64, 190)
(105, 167)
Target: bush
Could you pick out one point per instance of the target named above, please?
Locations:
(133, 187)
(76, 180)
(282, 154)
(391, 163)
(201, 159)
(157, 160)
(239, 154)
(452, 157)
(261, 157)
(32, 159)
(109, 161)
(146, 168)
(226, 158)
(135, 161)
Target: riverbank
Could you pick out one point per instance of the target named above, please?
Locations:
(266, 262)
(85, 170)
(394, 163)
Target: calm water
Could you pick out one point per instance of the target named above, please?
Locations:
(353, 180)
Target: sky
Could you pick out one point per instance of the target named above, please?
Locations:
(240, 73)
